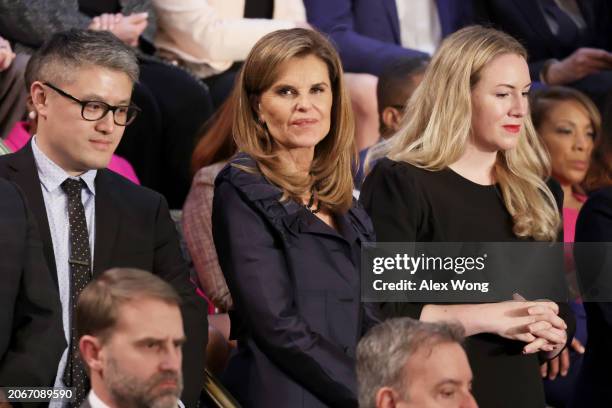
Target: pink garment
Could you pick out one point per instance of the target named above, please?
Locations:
(19, 137)
(570, 216)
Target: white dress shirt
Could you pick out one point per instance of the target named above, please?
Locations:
(419, 23)
(56, 204)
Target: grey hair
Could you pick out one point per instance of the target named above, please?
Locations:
(58, 58)
(384, 351)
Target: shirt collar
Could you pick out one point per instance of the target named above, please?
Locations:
(95, 401)
(52, 176)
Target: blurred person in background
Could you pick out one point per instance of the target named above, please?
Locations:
(569, 123)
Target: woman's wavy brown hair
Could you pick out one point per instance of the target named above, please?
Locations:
(216, 143)
(600, 170)
(330, 172)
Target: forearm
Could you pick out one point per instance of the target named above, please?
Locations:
(470, 316)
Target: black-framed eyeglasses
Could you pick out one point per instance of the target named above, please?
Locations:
(123, 115)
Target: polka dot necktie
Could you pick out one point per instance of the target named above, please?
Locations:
(80, 275)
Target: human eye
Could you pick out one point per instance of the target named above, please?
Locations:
(526, 93)
(563, 130)
(317, 89)
(591, 134)
(286, 91)
(447, 392)
(502, 95)
(94, 106)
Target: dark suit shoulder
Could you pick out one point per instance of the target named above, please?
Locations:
(126, 189)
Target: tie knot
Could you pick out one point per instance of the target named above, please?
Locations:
(73, 187)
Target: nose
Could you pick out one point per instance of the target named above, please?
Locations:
(303, 102)
(171, 359)
(106, 124)
(520, 106)
(582, 142)
(469, 401)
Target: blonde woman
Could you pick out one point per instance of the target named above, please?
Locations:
(467, 165)
(287, 231)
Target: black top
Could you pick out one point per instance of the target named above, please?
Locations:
(409, 204)
(258, 9)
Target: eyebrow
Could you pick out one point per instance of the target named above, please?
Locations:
(180, 340)
(98, 98)
(448, 381)
(513, 87)
(282, 85)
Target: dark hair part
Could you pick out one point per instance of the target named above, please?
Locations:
(97, 310)
(383, 353)
(56, 60)
(216, 143)
(395, 82)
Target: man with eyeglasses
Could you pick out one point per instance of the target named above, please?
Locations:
(90, 218)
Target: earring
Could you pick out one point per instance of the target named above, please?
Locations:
(32, 115)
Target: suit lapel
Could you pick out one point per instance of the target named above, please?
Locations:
(532, 13)
(107, 222)
(393, 19)
(23, 171)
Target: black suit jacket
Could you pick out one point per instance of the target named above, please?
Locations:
(296, 288)
(593, 260)
(30, 308)
(524, 20)
(133, 229)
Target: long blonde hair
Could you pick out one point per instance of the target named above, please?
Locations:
(330, 173)
(438, 122)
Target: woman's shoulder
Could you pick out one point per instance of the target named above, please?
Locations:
(398, 174)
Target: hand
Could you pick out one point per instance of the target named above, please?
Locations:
(129, 28)
(105, 22)
(522, 320)
(6, 54)
(582, 62)
(561, 363)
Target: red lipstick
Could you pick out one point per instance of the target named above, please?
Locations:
(512, 128)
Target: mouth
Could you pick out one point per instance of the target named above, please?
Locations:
(303, 122)
(512, 128)
(579, 164)
(101, 144)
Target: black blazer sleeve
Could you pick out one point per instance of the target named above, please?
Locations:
(170, 266)
(255, 267)
(595, 225)
(389, 196)
(31, 335)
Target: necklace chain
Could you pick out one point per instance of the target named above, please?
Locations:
(311, 203)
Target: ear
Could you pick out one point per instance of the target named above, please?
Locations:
(256, 105)
(391, 117)
(386, 397)
(39, 99)
(90, 348)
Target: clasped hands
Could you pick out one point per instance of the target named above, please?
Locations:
(127, 28)
(535, 323)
